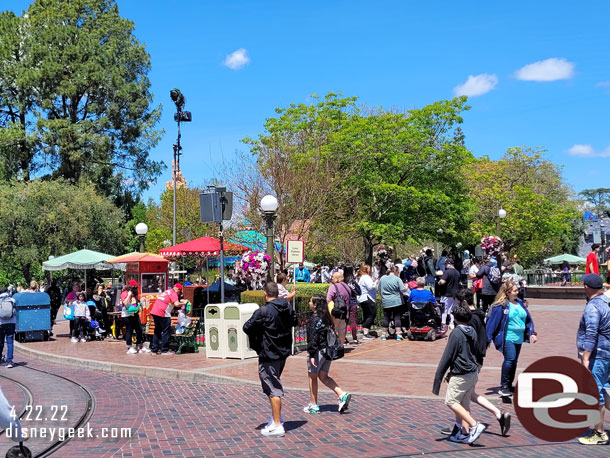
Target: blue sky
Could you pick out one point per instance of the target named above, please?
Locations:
(538, 72)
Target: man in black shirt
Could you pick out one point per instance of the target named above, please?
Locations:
(451, 284)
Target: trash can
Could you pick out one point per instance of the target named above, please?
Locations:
(234, 317)
(215, 341)
(33, 313)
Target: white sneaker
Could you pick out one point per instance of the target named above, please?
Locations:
(270, 424)
(83, 340)
(475, 432)
(274, 431)
(144, 350)
(74, 340)
(132, 351)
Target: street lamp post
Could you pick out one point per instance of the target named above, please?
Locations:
(142, 230)
(501, 215)
(269, 206)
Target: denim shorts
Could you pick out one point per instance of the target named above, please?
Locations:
(600, 368)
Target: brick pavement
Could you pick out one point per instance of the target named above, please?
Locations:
(175, 418)
(179, 418)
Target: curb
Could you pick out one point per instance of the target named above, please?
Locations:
(130, 369)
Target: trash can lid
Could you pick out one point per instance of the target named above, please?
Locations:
(26, 299)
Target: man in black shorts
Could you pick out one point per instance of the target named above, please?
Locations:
(270, 333)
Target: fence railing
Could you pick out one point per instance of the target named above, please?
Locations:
(539, 277)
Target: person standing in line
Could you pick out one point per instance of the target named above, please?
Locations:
(428, 266)
(367, 300)
(451, 282)
(441, 262)
(55, 295)
(270, 333)
(161, 312)
(492, 280)
(592, 266)
(459, 358)
(318, 327)
(392, 291)
(339, 288)
(7, 325)
(509, 325)
(352, 307)
(82, 316)
(131, 318)
(593, 342)
(302, 274)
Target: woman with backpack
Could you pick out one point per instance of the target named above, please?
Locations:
(352, 307)
(492, 280)
(338, 299)
(319, 325)
(508, 326)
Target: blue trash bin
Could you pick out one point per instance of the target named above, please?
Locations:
(33, 313)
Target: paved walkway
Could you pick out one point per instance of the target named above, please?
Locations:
(392, 414)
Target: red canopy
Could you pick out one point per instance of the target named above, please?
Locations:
(203, 246)
(138, 257)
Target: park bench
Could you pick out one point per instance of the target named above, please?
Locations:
(187, 339)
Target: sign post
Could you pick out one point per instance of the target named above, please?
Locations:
(295, 253)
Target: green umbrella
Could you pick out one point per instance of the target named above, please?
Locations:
(83, 260)
(565, 257)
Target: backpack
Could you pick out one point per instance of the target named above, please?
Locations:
(340, 308)
(356, 290)
(334, 349)
(494, 275)
(7, 308)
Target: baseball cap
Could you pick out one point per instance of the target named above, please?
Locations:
(132, 283)
(593, 281)
(179, 286)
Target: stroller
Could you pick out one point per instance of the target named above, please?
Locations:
(425, 322)
(93, 330)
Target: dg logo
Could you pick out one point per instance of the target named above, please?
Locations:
(556, 399)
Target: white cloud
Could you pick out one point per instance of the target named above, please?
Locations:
(237, 59)
(588, 151)
(552, 69)
(477, 85)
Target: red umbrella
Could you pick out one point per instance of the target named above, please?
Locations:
(203, 246)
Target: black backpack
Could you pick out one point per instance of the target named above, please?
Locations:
(334, 349)
(340, 308)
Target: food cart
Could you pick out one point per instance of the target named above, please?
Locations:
(150, 272)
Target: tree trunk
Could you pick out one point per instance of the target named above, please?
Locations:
(368, 250)
(27, 275)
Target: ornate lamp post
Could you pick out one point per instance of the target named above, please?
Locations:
(269, 206)
(142, 230)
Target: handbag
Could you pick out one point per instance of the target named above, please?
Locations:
(68, 312)
(477, 285)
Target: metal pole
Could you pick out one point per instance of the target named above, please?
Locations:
(270, 244)
(222, 266)
(177, 148)
(207, 277)
(142, 246)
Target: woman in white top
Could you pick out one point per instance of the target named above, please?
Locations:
(367, 300)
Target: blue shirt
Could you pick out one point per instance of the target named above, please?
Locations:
(594, 329)
(516, 323)
(422, 295)
(302, 275)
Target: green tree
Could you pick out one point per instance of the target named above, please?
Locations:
(542, 218)
(599, 199)
(77, 100)
(40, 218)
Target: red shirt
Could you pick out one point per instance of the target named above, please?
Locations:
(165, 303)
(592, 259)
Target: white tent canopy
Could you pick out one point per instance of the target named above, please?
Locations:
(82, 259)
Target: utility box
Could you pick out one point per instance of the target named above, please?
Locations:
(33, 316)
(234, 317)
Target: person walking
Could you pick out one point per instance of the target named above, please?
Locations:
(477, 322)
(270, 333)
(509, 325)
(318, 327)
(592, 266)
(459, 358)
(367, 300)
(339, 315)
(161, 312)
(593, 343)
(492, 280)
(8, 321)
(392, 291)
(451, 283)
